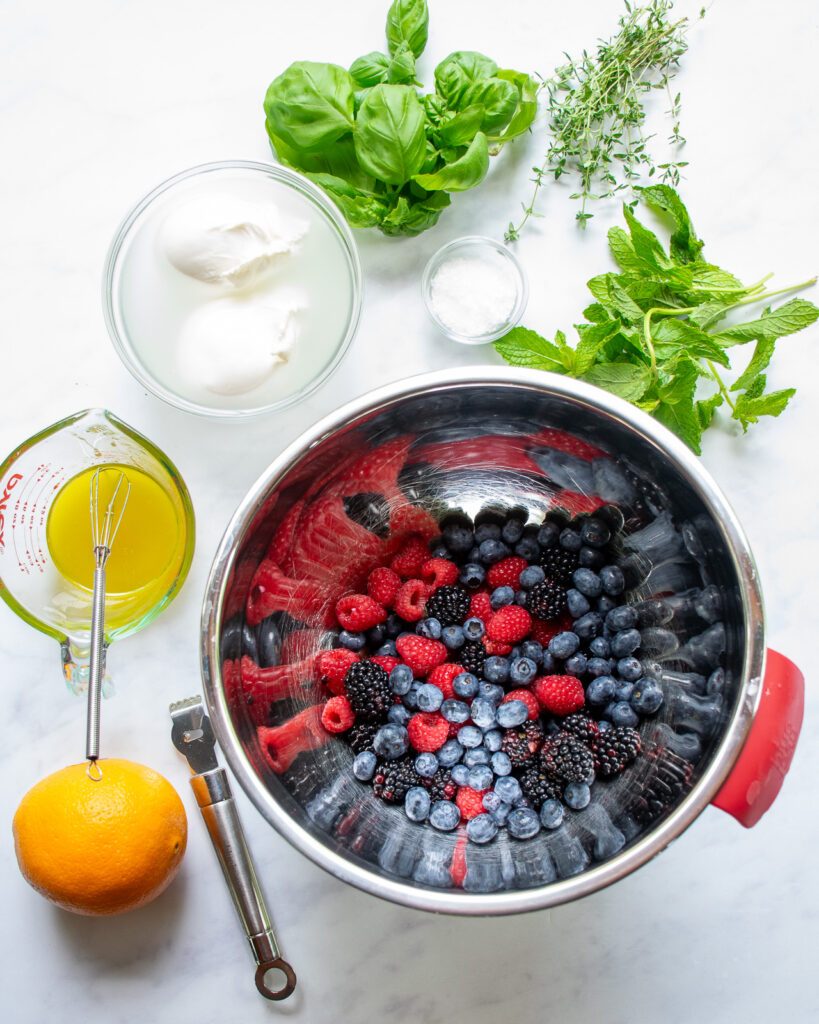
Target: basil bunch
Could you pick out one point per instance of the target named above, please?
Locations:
(389, 156)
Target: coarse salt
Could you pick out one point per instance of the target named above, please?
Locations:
(473, 295)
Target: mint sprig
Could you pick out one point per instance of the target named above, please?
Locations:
(652, 334)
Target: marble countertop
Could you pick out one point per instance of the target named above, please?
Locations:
(102, 101)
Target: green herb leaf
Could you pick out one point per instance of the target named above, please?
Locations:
(408, 22)
(759, 361)
(310, 106)
(460, 128)
(522, 347)
(685, 246)
(499, 100)
(390, 141)
(609, 291)
(370, 69)
(748, 410)
(526, 106)
(683, 419)
(623, 251)
(793, 316)
(401, 69)
(362, 209)
(706, 409)
(672, 337)
(626, 380)
(457, 72)
(466, 172)
(645, 243)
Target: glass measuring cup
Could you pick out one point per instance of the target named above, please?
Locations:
(34, 548)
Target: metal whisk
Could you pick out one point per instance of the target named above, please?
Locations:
(104, 528)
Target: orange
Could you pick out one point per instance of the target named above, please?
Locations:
(100, 847)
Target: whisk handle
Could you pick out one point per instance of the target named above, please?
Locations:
(92, 730)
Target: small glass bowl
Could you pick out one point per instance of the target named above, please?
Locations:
(488, 249)
(128, 349)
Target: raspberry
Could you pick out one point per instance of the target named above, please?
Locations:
(332, 667)
(439, 572)
(358, 612)
(506, 573)
(560, 694)
(528, 698)
(495, 647)
(479, 607)
(427, 732)
(386, 661)
(407, 563)
(544, 631)
(509, 624)
(410, 600)
(469, 802)
(442, 677)
(282, 744)
(337, 715)
(457, 868)
(420, 654)
(382, 585)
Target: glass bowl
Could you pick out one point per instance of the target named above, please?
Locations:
(492, 251)
(122, 308)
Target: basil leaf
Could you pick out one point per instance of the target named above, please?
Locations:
(310, 106)
(408, 22)
(401, 70)
(362, 209)
(460, 129)
(411, 218)
(466, 172)
(793, 316)
(522, 347)
(339, 160)
(499, 100)
(370, 69)
(458, 71)
(685, 246)
(390, 141)
(626, 380)
(526, 106)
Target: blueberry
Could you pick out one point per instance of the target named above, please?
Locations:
(531, 576)
(512, 531)
(444, 816)
(591, 558)
(547, 662)
(501, 813)
(647, 697)
(429, 697)
(527, 548)
(416, 803)
(629, 669)
(523, 823)
(716, 681)
(401, 679)
(552, 814)
(622, 617)
(482, 712)
(472, 575)
(491, 692)
(501, 596)
(364, 765)
(512, 714)
(623, 691)
(387, 650)
(493, 551)
(491, 801)
(570, 540)
(599, 647)
(481, 777)
(455, 711)
(493, 740)
(599, 667)
(588, 625)
(625, 642)
(595, 532)
(465, 684)
(458, 538)
(398, 715)
(521, 598)
(476, 756)
(564, 645)
(394, 625)
(622, 714)
(460, 774)
(377, 635)
(429, 628)
(501, 765)
(487, 531)
(600, 691)
(411, 696)
(531, 649)
(587, 582)
(576, 603)
(508, 789)
(605, 604)
(577, 795)
(470, 736)
(481, 829)
(522, 671)
(547, 535)
(453, 637)
(576, 665)
(426, 765)
(450, 753)
(439, 551)
(391, 741)
(496, 669)
(352, 641)
(474, 629)
(614, 583)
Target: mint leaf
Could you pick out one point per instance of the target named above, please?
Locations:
(793, 316)
(522, 347)
(608, 290)
(710, 312)
(748, 410)
(596, 313)
(685, 246)
(708, 278)
(683, 419)
(645, 243)
(626, 380)
(706, 409)
(623, 251)
(762, 356)
(672, 337)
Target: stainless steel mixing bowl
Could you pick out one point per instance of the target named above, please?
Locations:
(464, 440)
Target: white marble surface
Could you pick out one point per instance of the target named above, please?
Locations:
(102, 100)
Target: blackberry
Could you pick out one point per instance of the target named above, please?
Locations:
(522, 744)
(440, 786)
(547, 600)
(581, 726)
(567, 758)
(538, 785)
(472, 656)
(449, 605)
(670, 778)
(559, 564)
(392, 779)
(360, 737)
(614, 749)
(368, 690)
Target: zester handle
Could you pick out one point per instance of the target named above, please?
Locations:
(213, 794)
(92, 728)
